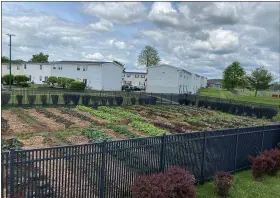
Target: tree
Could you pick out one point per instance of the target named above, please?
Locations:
(275, 86)
(260, 79)
(18, 61)
(40, 58)
(233, 76)
(4, 59)
(148, 56)
(52, 80)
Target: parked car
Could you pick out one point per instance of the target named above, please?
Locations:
(136, 88)
(127, 87)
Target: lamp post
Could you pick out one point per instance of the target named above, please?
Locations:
(10, 79)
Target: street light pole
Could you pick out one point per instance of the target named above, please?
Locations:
(10, 79)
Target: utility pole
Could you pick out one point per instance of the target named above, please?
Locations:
(10, 79)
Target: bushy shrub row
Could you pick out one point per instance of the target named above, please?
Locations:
(268, 163)
(175, 182)
(239, 109)
(147, 100)
(18, 79)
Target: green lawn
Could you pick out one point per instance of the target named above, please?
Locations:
(221, 93)
(245, 187)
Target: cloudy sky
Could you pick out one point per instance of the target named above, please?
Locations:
(202, 37)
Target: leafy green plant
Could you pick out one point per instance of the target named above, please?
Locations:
(122, 112)
(6, 79)
(96, 135)
(123, 130)
(148, 128)
(98, 113)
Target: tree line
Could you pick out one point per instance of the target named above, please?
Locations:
(234, 76)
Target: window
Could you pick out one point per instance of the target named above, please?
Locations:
(46, 78)
(40, 78)
(128, 75)
(142, 76)
(17, 67)
(123, 75)
(60, 67)
(78, 68)
(85, 81)
(41, 67)
(137, 76)
(30, 78)
(54, 67)
(85, 68)
(24, 66)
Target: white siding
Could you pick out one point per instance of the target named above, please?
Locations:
(185, 80)
(163, 79)
(34, 70)
(111, 77)
(195, 85)
(92, 73)
(16, 69)
(140, 81)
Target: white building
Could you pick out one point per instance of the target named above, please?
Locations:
(96, 75)
(170, 79)
(135, 77)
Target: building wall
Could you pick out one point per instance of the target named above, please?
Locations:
(163, 79)
(133, 80)
(111, 77)
(185, 79)
(195, 84)
(37, 75)
(16, 69)
(89, 73)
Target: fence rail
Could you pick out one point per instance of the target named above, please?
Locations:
(108, 169)
(162, 98)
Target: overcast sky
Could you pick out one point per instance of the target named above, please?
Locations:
(202, 37)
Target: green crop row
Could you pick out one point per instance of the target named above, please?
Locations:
(98, 113)
(123, 130)
(96, 135)
(122, 112)
(148, 128)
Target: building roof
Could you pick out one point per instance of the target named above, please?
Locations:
(61, 62)
(135, 71)
(176, 67)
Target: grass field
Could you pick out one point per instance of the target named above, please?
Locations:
(221, 93)
(244, 186)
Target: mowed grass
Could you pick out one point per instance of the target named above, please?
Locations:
(244, 186)
(221, 93)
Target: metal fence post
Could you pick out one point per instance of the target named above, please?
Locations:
(102, 174)
(162, 153)
(262, 138)
(203, 158)
(12, 171)
(161, 98)
(236, 150)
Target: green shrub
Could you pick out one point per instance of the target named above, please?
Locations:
(52, 80)
(77, 85)
(68, 82)
(6, 79)
(21, 79)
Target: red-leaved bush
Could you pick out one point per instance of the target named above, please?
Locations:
(223, 181)
(266, 163)
(174, 183)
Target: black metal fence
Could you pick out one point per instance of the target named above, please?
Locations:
(108, 169)
(161, 98)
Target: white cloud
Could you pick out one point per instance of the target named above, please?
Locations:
(103, 25)
(117, 12)
(121, 45)
(163, 12)
(95, 56)
(225, 40)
